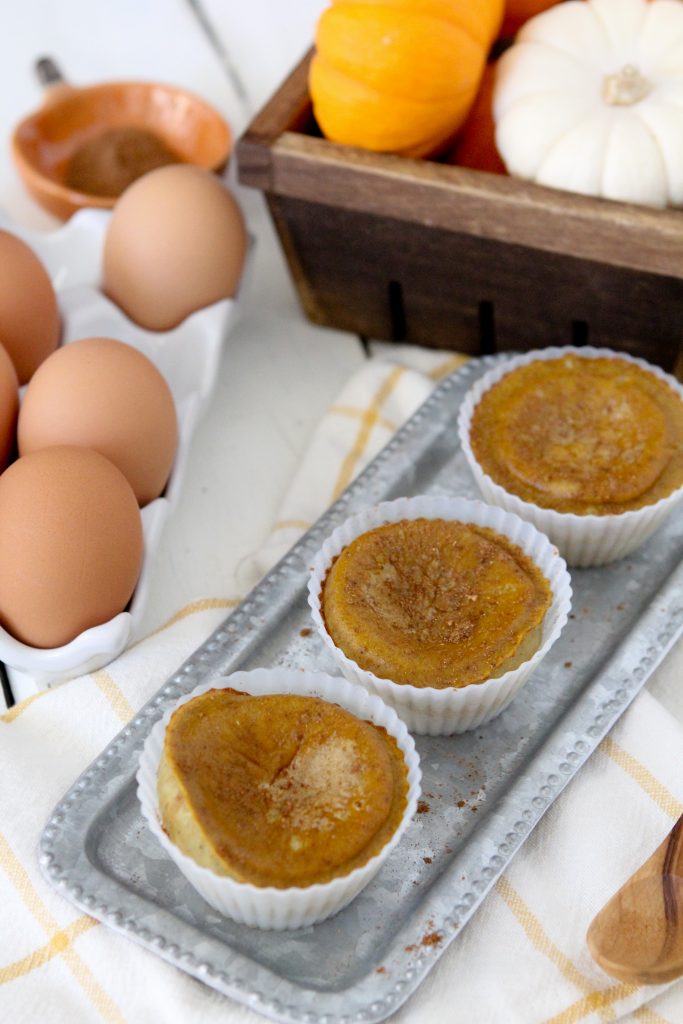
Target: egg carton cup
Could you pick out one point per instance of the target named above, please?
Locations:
(266, 906)
(583, 540)
(187, 356)
(427, 710)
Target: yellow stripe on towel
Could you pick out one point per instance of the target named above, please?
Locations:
(368, 421)
(202, 605)
(18, 709)
(451, 364)
(18, 875)
(114, 694)
(651, 785)
(354, 413)
(59, 943)
(593, 1001)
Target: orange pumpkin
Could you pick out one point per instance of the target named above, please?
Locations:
(519, 11)
(399, 76)
(475, 145)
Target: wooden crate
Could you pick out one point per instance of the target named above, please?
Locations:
(442, 256)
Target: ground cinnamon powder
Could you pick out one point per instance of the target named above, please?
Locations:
(110, 162)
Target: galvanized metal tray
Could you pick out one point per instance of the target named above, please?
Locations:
(483, 791)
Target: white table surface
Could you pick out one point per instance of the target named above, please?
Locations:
(279, 372)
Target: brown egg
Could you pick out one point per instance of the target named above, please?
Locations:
(104, 394)
(29, 317)
(9, 407)
(70, 544)
(175, 243)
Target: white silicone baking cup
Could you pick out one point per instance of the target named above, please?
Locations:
(439, 712)
(266, 906)
(583, 540)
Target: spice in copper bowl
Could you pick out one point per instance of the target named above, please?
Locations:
(111, 161)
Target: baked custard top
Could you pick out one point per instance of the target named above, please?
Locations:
(434, 603)
(581, 435)
(279, 790)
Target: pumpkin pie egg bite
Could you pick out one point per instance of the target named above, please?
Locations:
(441, 606)
(589, 436)
(278, 790)
(435, 603)
(587, 444)
(279, 793)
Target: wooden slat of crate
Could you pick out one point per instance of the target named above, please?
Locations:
(449, 257)
(457, 291)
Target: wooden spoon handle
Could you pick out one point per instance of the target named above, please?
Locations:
(638, 935)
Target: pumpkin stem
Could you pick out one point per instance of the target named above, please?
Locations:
(625, 87)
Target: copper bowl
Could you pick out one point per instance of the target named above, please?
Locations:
(45, 141)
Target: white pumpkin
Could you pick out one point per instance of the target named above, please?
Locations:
(590, 99)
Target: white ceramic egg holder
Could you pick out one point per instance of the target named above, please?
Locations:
(188, 357)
